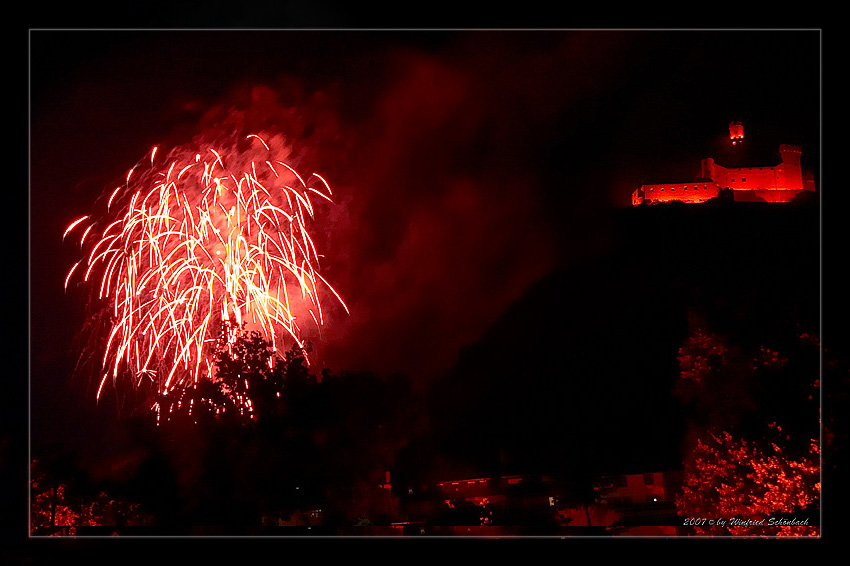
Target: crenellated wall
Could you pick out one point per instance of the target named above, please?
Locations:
(670, 192)
(778, 183)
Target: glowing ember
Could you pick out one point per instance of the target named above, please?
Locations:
(197, 239)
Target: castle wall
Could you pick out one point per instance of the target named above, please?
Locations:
(748, 178)
(686, 192)
(785, 176)
(780, 183)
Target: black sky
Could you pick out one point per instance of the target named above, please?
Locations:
(467, 164)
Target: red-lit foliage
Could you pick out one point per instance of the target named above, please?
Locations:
(739, 469)
(701, 352)
(715, 379)
(56, 509)
(750, 486)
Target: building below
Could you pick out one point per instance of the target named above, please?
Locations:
(777, 183)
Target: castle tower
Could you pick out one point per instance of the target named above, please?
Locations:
(736, 132)
(707, 169)
(791, 170)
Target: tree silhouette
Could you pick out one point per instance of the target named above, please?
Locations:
(263, 439)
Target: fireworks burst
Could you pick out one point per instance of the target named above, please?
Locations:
(196, 241)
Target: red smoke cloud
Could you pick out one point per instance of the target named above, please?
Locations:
(440, 221)
(445, 222)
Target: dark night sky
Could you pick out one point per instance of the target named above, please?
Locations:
(467, 164)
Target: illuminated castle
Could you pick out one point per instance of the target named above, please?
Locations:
(777, 183)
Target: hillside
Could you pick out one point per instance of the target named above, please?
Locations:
(580, 370)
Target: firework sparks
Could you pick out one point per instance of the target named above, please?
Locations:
(198, 239)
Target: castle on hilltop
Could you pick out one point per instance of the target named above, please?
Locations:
(777, 183)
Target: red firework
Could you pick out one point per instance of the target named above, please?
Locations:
(199, 238)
